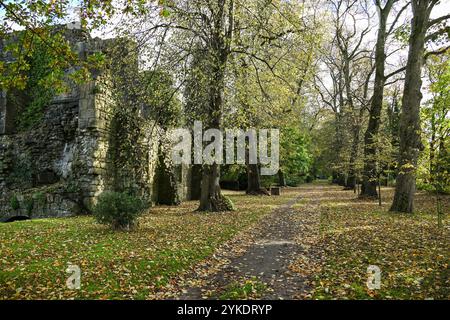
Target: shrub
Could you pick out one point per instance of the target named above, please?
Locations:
(119, 210)
(294, 181)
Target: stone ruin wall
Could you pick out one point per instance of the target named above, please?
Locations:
(61, 166)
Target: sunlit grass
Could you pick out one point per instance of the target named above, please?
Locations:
(132, 265)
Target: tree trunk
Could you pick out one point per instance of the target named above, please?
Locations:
(341, 179)
(253, 177)
(369, 183)
(379, 192)
(432, 147)
(439, 171)
(338, 176)
(254, 181)
(351, 180)
(334, 177)
(196, 182)
(410, 143)
(211, 198)
(281, 178)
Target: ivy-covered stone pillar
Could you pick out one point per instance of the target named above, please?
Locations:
(93, 140)
(7, 115)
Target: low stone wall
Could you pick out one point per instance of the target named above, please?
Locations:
(50, 201)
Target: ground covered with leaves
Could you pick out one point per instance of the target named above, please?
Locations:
(348, 234)
(313, 242)
(146, 263)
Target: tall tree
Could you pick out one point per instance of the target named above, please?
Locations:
(410, 129)
(369, 186)
(332, 96)
(220, 30)
(352, 52)
(269, 81)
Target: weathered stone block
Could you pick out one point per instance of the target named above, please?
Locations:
(275, 191)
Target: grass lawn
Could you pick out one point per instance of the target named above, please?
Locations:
(34, 255)
(411, 251)
(340, 234)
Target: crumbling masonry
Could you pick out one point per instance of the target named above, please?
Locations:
(60, 166)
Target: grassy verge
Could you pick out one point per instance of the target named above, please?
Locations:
(34, 255)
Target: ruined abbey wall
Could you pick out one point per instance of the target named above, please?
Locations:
(61, 165)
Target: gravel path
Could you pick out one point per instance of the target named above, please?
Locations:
(267, 259)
